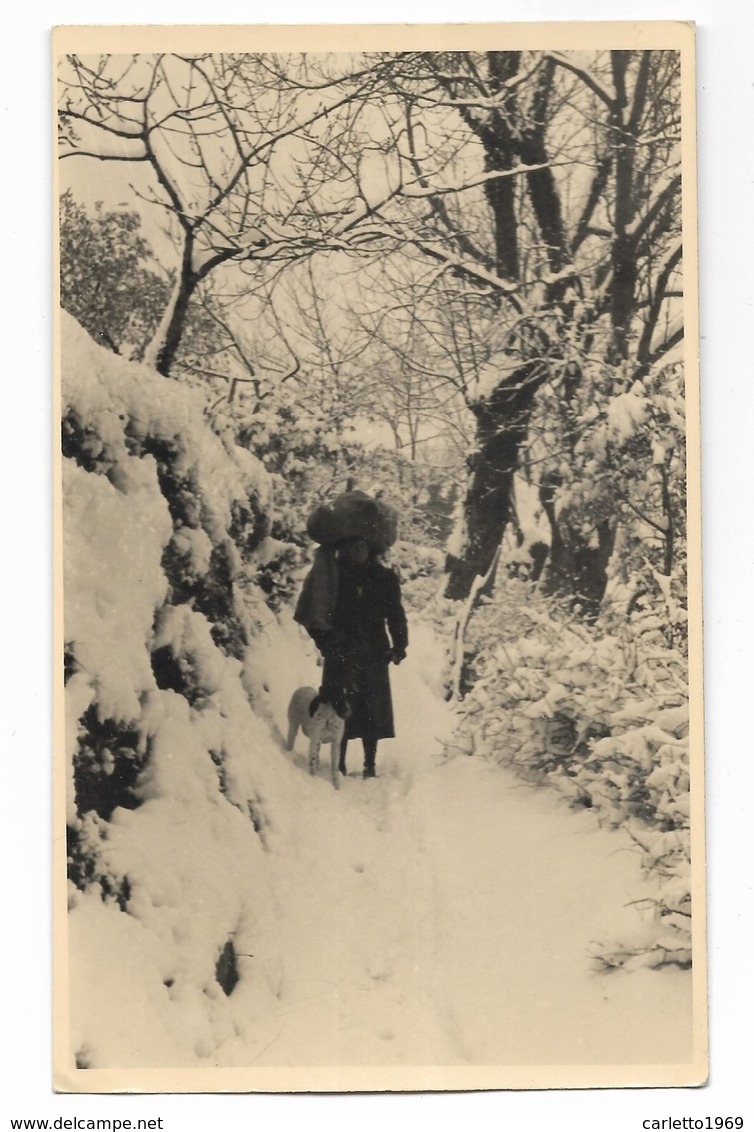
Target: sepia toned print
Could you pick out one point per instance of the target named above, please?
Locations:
(379, 750)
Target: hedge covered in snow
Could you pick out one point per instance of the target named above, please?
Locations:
(169, 767)
(599, 712)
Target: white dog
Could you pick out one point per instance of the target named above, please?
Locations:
(320, 725)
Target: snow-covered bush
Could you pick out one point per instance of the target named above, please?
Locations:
(309, 461)
(420, 569)
(168, 765)
(601, 713)
(602, 484)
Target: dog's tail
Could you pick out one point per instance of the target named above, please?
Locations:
(292, 730)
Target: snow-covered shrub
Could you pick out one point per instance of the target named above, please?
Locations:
(420, 570)
(306, 460)
(310, 460)
(276, 572)
(598, 711)
(602, 483)
(168, 766)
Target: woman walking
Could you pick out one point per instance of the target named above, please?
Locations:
(351, 607)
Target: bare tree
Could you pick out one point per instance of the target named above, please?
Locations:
(241, 152)
(520, 209)
(557, 199)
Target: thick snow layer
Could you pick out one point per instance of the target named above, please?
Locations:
(625, 413)
(450, 914)
(114, 396)
(118, 602)
(441, 914)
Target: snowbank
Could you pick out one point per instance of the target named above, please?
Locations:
(169, 766)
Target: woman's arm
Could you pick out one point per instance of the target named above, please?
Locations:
(395, 615)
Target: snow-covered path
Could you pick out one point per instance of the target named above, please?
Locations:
(446, 913)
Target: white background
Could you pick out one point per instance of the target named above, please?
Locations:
(725, 45)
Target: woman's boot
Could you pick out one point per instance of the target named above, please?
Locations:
(370, 753)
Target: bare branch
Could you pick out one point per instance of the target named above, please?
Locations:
(569, 64)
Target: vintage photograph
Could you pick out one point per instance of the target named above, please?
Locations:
(379, 759)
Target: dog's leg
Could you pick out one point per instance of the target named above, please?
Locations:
(292, 731)
(314, 744)
(334, 760)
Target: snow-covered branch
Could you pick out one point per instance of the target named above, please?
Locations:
(474, 182)
(569, 64)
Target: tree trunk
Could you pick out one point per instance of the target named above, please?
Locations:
(576, 567)
(174, 329)
(502, 424)
(163, 348)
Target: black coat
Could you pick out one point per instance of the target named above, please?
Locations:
(368, 629)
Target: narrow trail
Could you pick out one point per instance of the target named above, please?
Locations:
(445, 913)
